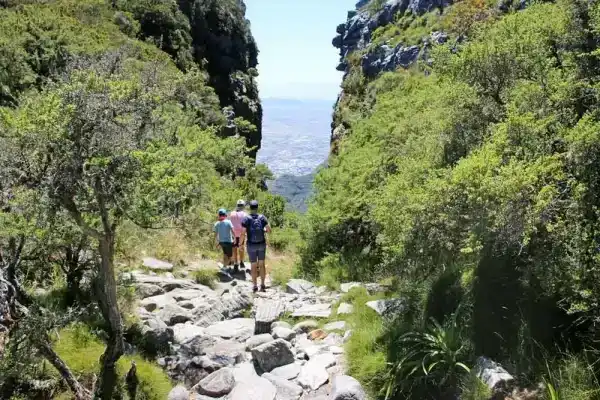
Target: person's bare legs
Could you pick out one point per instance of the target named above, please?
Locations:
(254, 274)
(263, 272)
(241, 255)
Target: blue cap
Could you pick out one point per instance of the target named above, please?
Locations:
(222, 211)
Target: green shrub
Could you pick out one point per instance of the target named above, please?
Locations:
(206, 277)
(473, 388)
(81, 351)
(572, 378)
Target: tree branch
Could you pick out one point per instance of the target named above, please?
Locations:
(71, 207)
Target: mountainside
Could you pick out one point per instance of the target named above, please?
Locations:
(212, 35)
(464, 170)
(124, 125)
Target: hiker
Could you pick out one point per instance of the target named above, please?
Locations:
(255, 236)
(224, 236)
(236, 217)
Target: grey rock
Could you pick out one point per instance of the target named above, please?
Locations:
(333, 339)
(173, 314)
(244, 372)
(224, 353)
(389, 307)
(284, 333)
(257, 340)
(217, 384)
(305, 326)
(325, 360)
(335, 326)
(312, 376)
(280, 324)
(156, 335)
(336, 350)
(493, 375)
(299, 286)
(347, 336)
(289, 371)
(184, 332)
(346, 287)
(179, 392)
(144, 290)
(273, 354)
(345, 387)
(165, 283)
(238, 329)
(256, 389)
(345, 308)
(157, 265)
(285, 390)
(198, 345)
(322, 310)
(156, 302)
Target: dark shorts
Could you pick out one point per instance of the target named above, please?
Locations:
(227, 248)
(257, 251)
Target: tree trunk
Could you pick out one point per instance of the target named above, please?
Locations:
(78, 390)
(107, 300)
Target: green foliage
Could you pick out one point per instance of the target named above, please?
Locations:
(478, 178)
(81, 350)
(472, 388)
(206, 277)
(572, 378)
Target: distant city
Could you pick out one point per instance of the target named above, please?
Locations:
(295, 142)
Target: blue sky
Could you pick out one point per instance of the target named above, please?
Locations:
(296, 57)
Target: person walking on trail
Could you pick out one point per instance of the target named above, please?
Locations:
(236, 217)
(224, 236)
(255, 236)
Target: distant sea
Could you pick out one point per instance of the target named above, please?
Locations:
(295, 142)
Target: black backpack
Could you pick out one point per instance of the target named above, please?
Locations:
(256, 229)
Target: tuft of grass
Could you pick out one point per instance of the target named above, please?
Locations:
(572, 378)
(206, 277)
(472, 388)
(282, 270)
(81, 351)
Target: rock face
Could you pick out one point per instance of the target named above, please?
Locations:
(221, 35)
(356, 33)
(157, 265)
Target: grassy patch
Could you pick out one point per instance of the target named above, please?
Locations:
(206, 277)
(81, 351)
(573, 378)
(366, 357)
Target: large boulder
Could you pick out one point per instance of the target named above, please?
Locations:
(217, 384)
(305, 326)
(288, 372)
(299, 286)
(345, 387)
(388, 307)
(284, 333)
(173, 314)
(319, 310)
(179, 392)
(254, 389)
(273, 354)
(144, 290)
(257, 340)
(493, 375)
(156, 335)
(184, 332)
(285, 390)
(238, 329)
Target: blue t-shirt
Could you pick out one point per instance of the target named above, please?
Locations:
(223, 228)
(246, 223)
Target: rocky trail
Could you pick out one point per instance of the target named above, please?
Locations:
(226, 342)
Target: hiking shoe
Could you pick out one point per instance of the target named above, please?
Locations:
(236, 269)
(263, 288)
(255, 289)
(242, 266)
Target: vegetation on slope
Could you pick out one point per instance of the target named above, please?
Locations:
(476, 187)
(107, 141)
